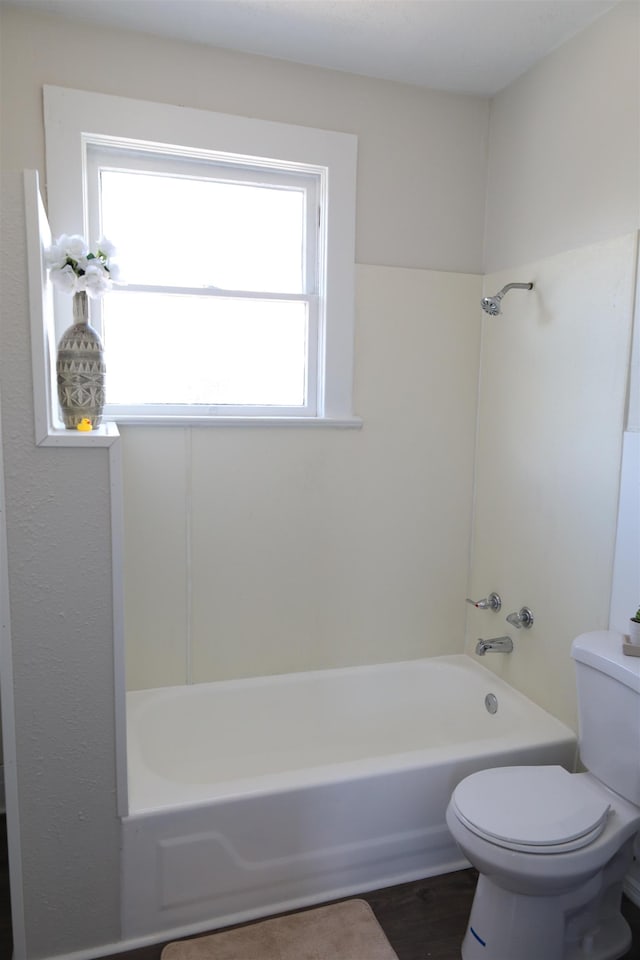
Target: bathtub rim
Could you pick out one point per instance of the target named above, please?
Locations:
(463, 660)
(307, 778)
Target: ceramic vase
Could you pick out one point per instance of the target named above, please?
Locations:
(634, 631)
(80, 369)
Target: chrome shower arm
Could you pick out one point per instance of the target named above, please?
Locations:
(491, 305)
(515, 286)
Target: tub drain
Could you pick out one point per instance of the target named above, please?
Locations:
(491, 703)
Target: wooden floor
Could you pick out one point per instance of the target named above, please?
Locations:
(424, 920)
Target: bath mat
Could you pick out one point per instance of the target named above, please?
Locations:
(342, 931)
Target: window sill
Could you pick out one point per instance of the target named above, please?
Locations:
(352, 423)
(106, 434)
(103, 436)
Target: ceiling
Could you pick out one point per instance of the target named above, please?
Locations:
(464, 46)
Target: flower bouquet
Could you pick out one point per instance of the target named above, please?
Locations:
(73, 268)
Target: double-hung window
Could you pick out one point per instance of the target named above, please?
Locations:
(217, 308)
(235, 251)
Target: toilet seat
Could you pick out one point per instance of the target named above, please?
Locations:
(541, 810)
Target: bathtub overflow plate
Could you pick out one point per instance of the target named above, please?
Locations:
(491, 703)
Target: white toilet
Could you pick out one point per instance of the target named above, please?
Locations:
(552, 848)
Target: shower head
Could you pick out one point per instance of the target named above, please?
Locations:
(491, 305)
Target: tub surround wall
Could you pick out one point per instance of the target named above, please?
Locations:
(551, 416)
(260, 551)
(564, 155)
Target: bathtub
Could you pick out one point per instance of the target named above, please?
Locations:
(250, 797)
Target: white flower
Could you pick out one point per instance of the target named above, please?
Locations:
(65, 279)
(55, 256)
(106, 247)
(114, 271)
(73, 267)
(95, 280)
(75, 246)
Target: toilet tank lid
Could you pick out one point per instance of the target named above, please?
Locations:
(602, 650)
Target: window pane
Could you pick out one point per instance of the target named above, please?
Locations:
(182, 231)
(163, 348)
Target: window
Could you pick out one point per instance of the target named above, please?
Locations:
(235, 245)
(221, 271)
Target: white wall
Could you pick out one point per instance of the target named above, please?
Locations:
(564, 150)
(422, 154)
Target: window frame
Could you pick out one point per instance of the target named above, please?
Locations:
(103, 155)
(75, 119)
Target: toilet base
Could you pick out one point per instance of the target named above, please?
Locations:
(582, 924)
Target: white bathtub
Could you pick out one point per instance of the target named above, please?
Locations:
(248, 797)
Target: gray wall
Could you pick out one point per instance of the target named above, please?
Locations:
(58, 538)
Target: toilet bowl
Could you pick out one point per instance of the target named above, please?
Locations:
(552, 847)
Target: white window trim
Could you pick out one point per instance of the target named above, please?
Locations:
(73, 118)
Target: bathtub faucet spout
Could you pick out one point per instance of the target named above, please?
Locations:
(497, 645)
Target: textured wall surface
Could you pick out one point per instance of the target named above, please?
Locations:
(58, 538)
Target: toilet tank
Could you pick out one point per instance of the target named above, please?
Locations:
(608, 684)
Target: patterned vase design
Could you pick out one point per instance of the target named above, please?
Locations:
(80, 369)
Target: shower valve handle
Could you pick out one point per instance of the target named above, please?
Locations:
(492, 602)
(524, 618)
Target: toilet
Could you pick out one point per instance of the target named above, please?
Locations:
(552, 847)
